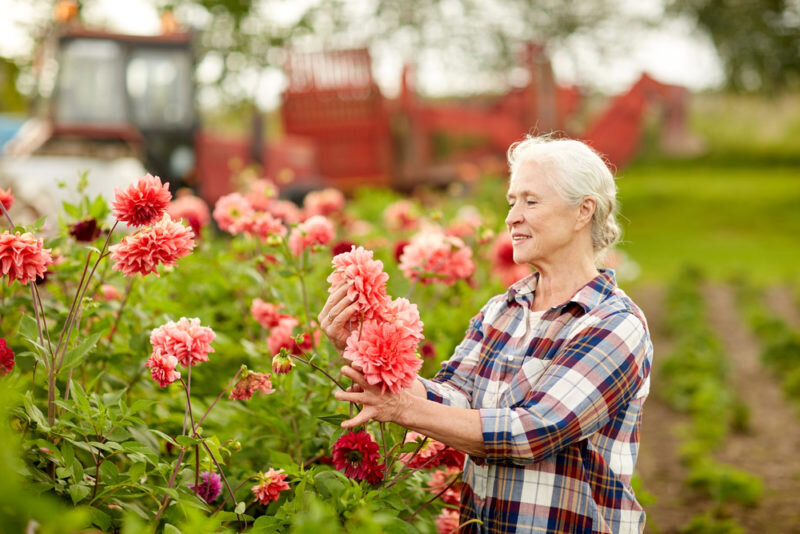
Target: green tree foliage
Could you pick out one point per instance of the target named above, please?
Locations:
(10, 98)
(757, 40)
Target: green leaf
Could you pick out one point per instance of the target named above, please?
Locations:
(136, 471)
(188, 440)
(75, 355)
(72, 210)
(34, 412)
(171, 529)
(335, 420)
(162, 435)
(78, 492)
(240, 508)
(100, 518)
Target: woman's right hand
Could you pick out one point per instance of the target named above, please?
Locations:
(334, 319)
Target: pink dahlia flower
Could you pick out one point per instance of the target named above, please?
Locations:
(401, 216)
(192, 209)
(162, 368)
(284, 210)
(405, 316)
(110, 293)
(6, 198)
(432, 256)
(165, 242)
(365, 279)
(210, 487)
(447, 522)
(6, 358)
(325, 202)
(281, 364)
(260, 193)
(503, 265)
(426, 453)
(187, 340)
(231, 211)
(440, 479)
(386, 353)
(270, 485)
(262, 225)
(268, 315)
(250, 382)
(141, 203)
(23, 257)
(283, 337)
(356, 453)
(317, 230)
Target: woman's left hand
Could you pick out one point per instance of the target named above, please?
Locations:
(382, 407)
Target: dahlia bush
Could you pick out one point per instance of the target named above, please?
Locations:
(154, 381)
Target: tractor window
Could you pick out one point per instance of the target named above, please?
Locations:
(90, 85)
(160, 88)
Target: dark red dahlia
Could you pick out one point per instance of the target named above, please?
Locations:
(85, 230)
(7, 358)
(356, 453)
(427, 350)
(452, 458)
(399, 247)
(341, 247)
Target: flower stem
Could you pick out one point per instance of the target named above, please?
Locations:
(432, 499)
(222, 474)
(318, 368)
(203, 418)
(165, 500)
(119, 311)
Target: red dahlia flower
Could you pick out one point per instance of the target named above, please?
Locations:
(85, 230)
(503, 264)
(429, 450)
(281, 364)
(6, 198)
(440, 479)
(187, 340)
(162, 368)
(6, 358)
(356, 453)
(386, 354)
(165, 242)
(270, 485)
(341, 247)
(365, 279)
(23, 257)
(250, 382)
(141, 203)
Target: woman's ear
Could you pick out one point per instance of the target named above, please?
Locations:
(585, 212)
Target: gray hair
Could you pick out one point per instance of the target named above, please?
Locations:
(575, 172)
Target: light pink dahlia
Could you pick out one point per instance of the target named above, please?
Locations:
(441, 478)
(187, 340)
(284, 210)
(405, 316)
(365, 279)
(386, 353)
(429, 450)
(268, 315)
(231, 211)
(165, 243)
(447, 522)
(23, 257)
(434, 257)
(260, 193)
(262, 225)
(401, 216)
(110, 293)
(325, 202)
(190, 208)
(270, 485)
(317, 230)
(141, 203)
(162, 368)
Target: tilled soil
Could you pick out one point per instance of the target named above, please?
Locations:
(770, 447)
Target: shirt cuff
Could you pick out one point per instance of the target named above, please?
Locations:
(504, 440)
(444, 394)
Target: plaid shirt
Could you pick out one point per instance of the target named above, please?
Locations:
(560, 403)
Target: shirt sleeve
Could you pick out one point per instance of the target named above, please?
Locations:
(588, 381)
(453, 385)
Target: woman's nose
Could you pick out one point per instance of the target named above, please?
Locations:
(514, 215)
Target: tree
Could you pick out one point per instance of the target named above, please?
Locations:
(757, 40)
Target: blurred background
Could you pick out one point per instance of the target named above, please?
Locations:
(694, 103)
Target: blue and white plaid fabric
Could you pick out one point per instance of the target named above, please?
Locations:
(560, 396)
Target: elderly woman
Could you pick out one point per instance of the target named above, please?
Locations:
(545, 392)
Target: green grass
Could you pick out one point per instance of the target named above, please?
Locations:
(726, 220)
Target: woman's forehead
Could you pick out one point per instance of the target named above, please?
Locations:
(529, 179)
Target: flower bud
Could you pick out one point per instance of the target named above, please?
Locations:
(281, 363)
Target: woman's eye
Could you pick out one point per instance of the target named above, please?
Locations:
(531, 202)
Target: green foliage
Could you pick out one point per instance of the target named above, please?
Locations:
(708, 524)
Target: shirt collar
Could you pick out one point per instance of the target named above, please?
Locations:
(587, 297)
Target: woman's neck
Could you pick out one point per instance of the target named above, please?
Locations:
(557, 283)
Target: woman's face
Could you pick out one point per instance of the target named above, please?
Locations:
(542, 225)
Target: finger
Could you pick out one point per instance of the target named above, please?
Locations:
(345, 302)
(362, 418)
(349, 396)
(355, 376)
(344, 316)
(333, 299)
